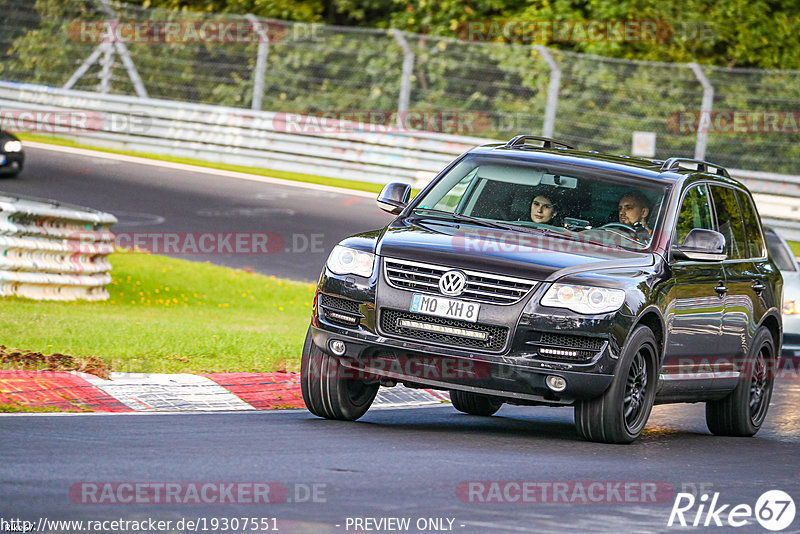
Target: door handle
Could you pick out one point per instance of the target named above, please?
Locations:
(721, 290)
(758, 287)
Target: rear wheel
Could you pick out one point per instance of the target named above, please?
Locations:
(619, 414)
(742, 412)
(474, 404)
(327, 391)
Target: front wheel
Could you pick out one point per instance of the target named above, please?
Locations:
(619, 414)
(327, 391)
(474, 404)
(742, 412)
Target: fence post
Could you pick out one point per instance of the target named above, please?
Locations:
(108, 60)
(104, 87)
(88, 62)
(405, 81)
(705, 112)
(261, 61)
(552, 91)
(124, 55)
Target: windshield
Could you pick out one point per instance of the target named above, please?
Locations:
(779, 252)
(531, 197)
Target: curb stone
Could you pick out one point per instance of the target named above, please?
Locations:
(139, 392)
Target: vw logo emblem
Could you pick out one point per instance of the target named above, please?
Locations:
(452, 283)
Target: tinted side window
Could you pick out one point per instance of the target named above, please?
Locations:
(695, 213)
(752, 226)
(730, 224)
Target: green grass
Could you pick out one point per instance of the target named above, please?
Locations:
(285, 175)
(795, 247)
(167, 315)
(12, 408)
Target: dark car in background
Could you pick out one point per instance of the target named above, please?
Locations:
(785, 259)
(12, 156)
(531, 273)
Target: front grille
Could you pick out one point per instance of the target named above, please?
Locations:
(568, 348)
(340, 311)
(338, 304)
(578, 342)
(480, 287)
(495, 341)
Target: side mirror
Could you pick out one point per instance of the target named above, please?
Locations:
(701, 245)
(394, 197)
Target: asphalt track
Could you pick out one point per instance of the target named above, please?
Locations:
(158, 201)
(395, 463)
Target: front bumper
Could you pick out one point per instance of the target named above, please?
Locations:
(791, 335)
(11, 162)
(419, 365)
(515, 370)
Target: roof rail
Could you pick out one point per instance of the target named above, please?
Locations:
(547, 142)
(702, 166)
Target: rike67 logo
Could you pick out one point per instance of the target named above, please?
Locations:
(774, 510)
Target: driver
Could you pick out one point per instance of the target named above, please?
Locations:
(543, 209)
(634, 208)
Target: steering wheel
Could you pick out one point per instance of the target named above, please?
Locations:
(621, 226)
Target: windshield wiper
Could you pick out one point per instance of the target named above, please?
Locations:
(482, 222)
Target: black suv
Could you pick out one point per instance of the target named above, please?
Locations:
(531, 273)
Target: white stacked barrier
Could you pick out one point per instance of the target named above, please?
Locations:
(50, 251)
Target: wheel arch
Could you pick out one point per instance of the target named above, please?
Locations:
(651, 318)
(773, 323)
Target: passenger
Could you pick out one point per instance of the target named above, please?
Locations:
(543, 209)
(634, 208)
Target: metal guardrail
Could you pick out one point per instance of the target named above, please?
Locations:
(244, 137)
(51, 251)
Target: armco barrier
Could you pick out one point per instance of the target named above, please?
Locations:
(240, 136)
(51, 251)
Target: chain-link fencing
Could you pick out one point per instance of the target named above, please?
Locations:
(748, 120)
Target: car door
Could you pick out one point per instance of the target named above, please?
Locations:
(694, 308)
(743, 300)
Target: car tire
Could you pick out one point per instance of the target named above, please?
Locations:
(620, 414)
(474, 404)
(743, 411)
(326, 392)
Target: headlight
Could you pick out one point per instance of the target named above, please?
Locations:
(344, 260)
(12, 146)
(584, 299)
(791, 307)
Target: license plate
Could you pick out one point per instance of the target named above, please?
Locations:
(2, 159)
(442, 307)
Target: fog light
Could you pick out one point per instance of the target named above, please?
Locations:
(337, 347)
(556, 383)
